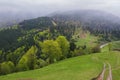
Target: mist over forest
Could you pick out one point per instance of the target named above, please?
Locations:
(15, 11)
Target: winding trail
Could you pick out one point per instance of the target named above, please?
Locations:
(102, 74)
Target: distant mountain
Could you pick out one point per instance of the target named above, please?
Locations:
(85, 17)
(104, 25)
(90, 18)
(97, 22)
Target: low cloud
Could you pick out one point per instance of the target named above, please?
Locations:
(43, 7)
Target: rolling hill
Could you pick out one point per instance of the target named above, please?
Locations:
(78, 68)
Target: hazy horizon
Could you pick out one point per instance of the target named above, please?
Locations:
(43, 7)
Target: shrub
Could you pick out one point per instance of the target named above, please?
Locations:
(7, 67)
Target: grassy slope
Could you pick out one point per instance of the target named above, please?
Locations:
(84, 38)
(89, 41)
(78, 68)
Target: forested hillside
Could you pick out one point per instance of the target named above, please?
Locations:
(32, 44)
(36, 43)
(98, 23)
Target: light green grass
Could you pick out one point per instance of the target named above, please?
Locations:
(78, 68)
(84, 38)
(89, 40)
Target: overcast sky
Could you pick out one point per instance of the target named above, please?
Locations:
(43, 7)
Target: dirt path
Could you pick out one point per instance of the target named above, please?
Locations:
(110, 73)
(101, 75)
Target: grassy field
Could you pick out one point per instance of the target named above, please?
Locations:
(84, 38)
(78, 68)
(83, 67)
(88, 41)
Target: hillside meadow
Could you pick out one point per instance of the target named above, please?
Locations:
(78, 68)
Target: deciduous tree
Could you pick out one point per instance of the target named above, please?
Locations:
(64, 45)
(52, 50)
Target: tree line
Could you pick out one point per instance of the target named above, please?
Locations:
(46, 52)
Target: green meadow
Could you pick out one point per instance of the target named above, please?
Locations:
(83, 67)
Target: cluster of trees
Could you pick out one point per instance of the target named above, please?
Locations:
(7, 67)
(55, 50)
(41, 22)
(8, 37)
(37, 56)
